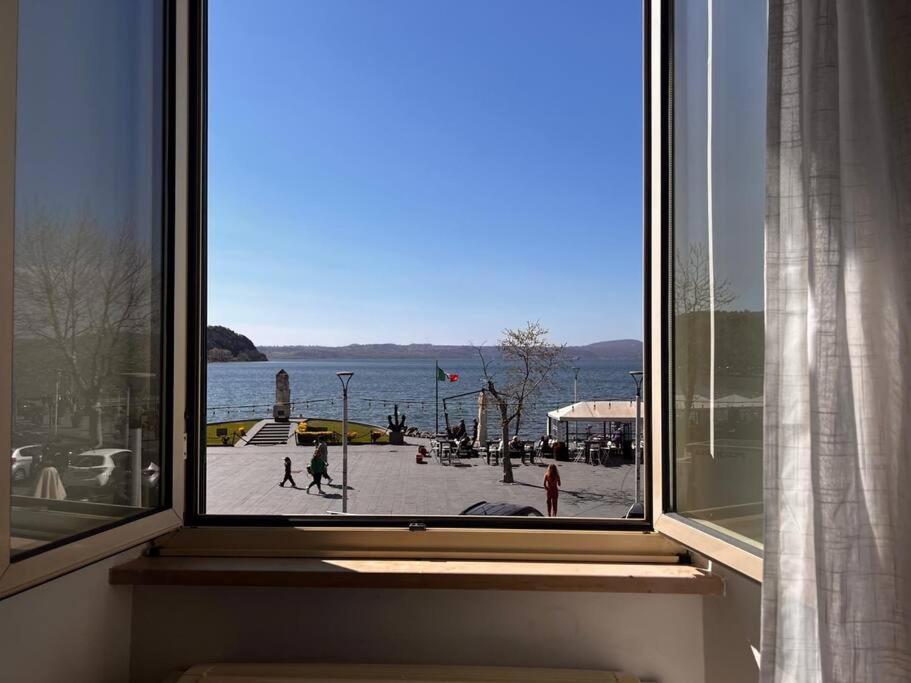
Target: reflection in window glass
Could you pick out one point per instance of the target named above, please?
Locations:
(87, 372)
(719, 204)
(390, 184)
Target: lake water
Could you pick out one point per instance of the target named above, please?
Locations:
(247, 390)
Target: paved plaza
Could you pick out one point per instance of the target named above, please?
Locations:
(387, 480)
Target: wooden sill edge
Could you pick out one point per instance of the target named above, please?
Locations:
(418, 574)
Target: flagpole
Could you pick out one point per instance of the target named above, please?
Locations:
(436, 388)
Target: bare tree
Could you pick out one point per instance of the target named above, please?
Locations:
(694, 298)
(692, 282)
(84, 291)
(529, 362)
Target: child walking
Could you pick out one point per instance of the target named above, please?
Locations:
(317, 469)
(552, 486)
(288, 476)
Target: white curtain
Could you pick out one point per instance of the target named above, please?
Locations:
(837, 585)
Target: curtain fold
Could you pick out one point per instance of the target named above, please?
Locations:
(837, 586)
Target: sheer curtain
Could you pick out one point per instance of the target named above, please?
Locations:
(837, 586)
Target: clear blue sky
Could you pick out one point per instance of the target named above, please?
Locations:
(425, 170)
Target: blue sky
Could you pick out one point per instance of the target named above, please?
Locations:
(425, 170)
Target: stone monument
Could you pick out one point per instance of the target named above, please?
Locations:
(281, 410)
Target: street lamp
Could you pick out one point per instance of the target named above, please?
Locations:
(344, 378)
(637, 378)
(56, 402)
(576, 396)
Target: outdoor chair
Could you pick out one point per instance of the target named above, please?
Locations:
(464, 451)
(493, 449)
(577, 451)
(594, 453)
(445, 452)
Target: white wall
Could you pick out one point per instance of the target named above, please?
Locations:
(731, 626)
(658, 637)
(75, 628)
(78, 628)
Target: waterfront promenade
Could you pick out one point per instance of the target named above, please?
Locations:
(385, 479)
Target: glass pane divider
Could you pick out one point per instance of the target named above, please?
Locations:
(8, 68)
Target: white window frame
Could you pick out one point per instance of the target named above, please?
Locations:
(37, 568)
(711, 543)
(675, 532)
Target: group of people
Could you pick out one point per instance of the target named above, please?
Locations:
(317, 469)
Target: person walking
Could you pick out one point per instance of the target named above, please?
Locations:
(317, 469)
(552, 486)
(288, 476)
(322, 450)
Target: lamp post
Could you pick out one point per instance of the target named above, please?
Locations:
(137, 384)
(576, 395)
(637, 378)
(56, 402)
(344, 378)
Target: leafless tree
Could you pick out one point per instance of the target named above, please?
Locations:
(85, 291)
(529, 361)
(693, 300)
(692, 283)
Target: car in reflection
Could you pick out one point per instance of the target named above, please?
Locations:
(93, 470)
(105, 473)
(501, 510)
(22, 460)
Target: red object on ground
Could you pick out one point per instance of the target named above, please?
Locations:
(419, 458)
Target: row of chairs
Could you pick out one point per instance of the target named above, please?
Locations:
(448, 452)
(593, 452)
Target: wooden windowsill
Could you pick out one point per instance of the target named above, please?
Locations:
(418, 574)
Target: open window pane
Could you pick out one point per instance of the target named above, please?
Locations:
(89, 275)
(719, 211)
(390, 187)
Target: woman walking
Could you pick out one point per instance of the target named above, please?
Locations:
(552, 486)
(317, 469)
(322, 450)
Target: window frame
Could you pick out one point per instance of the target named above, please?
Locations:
(711, 542)
(60, 556)
(196, 349)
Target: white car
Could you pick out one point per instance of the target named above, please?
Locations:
(22, 460)
(94, 469)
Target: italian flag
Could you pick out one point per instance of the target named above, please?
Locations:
(445, 377)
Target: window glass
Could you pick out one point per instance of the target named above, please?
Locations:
(87, 349)
(395, 190)
(719, 205)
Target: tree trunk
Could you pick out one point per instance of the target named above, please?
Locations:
(507, 462)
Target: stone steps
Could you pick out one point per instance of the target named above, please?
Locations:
(271, 434)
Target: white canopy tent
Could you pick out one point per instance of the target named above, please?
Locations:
(595, 411)
(605, 411)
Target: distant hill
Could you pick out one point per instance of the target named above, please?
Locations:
(224, 345)
(618, 349)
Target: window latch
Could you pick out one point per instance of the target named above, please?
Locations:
(417, 526)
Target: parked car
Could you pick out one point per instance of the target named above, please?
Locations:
(151, 473)
(501, 510)
(106, 472)
(93, 470)
(22, 460)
